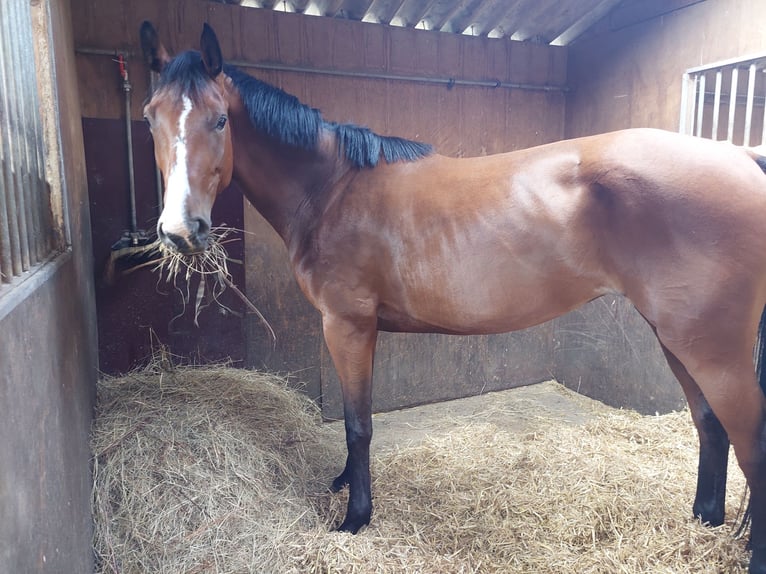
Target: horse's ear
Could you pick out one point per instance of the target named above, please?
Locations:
(211, 52)
(155, 54)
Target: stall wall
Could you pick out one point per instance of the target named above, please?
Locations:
(627, 73)
(459, 120)
(49, 365)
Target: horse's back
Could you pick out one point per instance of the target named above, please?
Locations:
(503, 242)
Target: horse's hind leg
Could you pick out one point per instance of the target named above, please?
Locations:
(710, 499)
(722, 366)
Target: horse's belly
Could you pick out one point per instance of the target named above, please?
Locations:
(485, 307)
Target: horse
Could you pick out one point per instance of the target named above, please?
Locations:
(385, 234)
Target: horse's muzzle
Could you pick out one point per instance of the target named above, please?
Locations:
(194, 238)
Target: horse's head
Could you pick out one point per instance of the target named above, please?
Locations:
(188, 116)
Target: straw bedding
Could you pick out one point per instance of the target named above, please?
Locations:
(221, 470)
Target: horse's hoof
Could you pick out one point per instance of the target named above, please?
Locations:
(710, 514)
(711, 519)
(352, 526)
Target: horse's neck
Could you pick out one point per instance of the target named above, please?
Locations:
(283, 184)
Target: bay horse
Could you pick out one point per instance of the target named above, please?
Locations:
(385, 234)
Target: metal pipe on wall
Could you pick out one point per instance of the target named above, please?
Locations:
(449, 82)
(127, 88)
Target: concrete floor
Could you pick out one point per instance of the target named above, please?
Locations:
(524, 409)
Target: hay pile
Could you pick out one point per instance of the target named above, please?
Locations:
(226, 471)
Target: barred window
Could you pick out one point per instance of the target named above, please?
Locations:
(32, 226)
(725, 101)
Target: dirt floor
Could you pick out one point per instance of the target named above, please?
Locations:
(522, 410)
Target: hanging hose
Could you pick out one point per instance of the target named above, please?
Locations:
(126, 88)
(134, 244)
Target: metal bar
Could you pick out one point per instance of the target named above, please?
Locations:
(749, 104)
(732, 104)
(6, 268)
(450, 82)
(44, 212)
(753, 58)
(22, 195)
(716, 104)
(126, 87)
(700, 104)
(367, 75)
(103, 52)
(8, 215)
(28, 84)
(26, 230)
(6, 246)
(688, 86)
(15, 204)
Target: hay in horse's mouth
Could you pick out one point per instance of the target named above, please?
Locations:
(224, 470)
(210, 267)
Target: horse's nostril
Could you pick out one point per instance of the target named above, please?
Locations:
(202, 227)
(191, 237)
(177, 241)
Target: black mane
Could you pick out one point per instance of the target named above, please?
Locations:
(284, 118)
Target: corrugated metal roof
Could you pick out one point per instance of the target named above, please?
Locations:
(557, 22)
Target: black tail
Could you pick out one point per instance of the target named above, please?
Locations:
(760, 343)
(760, 353)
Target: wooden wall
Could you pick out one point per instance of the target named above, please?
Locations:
(628, 72)
(460, 121)
(48, 355)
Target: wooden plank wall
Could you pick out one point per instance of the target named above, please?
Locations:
(629, 72)
(458, 120)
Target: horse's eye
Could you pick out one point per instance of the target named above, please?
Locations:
(221, 123)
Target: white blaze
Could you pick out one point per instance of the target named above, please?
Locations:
(173, 216)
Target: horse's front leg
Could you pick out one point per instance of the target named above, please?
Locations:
(352, 346)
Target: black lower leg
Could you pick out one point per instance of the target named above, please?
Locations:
(757, 531)
(356, 474)
(757, 506)
(710, 500)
